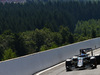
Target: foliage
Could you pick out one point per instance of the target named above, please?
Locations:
(39, 26)
(90, 28)
(43, 48)
(19, 45)
(32, 15)
(43, 39)
(87, 29)
(8, 54)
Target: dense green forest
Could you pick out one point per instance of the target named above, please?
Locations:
(64, 0)
(38, 26)
(32, 15)
(19, 44)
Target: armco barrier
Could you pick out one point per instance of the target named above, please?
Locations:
(30, 64)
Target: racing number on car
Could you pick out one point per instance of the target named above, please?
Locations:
(80, 61)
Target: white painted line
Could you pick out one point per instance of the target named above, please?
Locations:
(50, 68)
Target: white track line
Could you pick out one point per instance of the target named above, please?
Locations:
(50, 68)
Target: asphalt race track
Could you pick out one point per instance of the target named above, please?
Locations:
(60, 69)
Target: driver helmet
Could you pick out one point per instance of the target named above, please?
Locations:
(83, 51)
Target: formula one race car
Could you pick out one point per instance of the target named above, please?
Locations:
(83, 60)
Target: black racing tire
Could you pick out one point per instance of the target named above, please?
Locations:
(98, 59)
(68, 69)
(93, 63)
(93, 66)
(68, 66)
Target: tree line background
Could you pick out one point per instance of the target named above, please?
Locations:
(38, 26)
(32, 15)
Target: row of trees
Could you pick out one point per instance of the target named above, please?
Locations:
(87, 29)
(33, 27)
(32, 15)
(64, 0)
(19, 44)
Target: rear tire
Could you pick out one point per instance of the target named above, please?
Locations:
(97, 58)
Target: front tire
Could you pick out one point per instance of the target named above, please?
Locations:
(93, 63)
(68, 69)
(68, 66)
